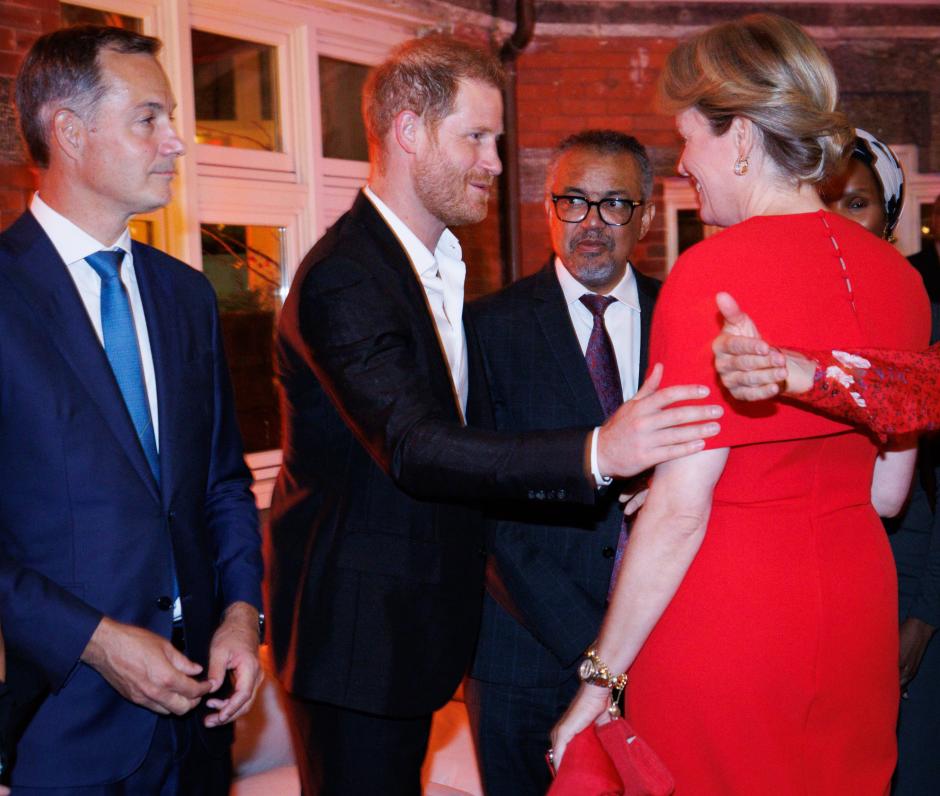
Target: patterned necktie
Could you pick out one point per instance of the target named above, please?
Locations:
(122, 350)
(600, 356)
(602, 365)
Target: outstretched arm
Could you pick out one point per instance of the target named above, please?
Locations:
(890, 392)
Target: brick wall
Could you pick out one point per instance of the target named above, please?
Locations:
(567, 84)
(593, 65)
(21, 22)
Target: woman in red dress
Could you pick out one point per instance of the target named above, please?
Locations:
(755, 611)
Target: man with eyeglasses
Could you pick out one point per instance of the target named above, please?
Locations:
(560, 348)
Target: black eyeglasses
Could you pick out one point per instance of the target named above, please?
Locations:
(614, 212)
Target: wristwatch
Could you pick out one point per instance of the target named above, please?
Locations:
(594, 671)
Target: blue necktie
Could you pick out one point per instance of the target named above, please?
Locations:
(122, 350)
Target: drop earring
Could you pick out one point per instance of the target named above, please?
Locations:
(740, 166)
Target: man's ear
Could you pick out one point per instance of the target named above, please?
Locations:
(67, 133)
(407, 128)
(646, 220)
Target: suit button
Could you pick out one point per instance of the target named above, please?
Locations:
(164, 603)
(608, 552)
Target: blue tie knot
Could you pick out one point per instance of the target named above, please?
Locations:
(107, 264)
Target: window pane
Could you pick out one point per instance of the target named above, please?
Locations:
(78, 15)
(141, 230)
(235, 84)
(344, 135)
(927, 233)
(244, 265)
(691, 230)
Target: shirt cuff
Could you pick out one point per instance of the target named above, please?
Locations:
(599, 480)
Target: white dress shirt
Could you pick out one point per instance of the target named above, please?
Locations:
(442, 276)
(74, 244)
(622, 320)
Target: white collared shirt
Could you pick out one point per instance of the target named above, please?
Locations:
(74, 244)
(442, 276)
(622, 320)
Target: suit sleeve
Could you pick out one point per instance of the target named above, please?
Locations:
(44, 621)
(359, 342)
(231, 516)
(926, 605)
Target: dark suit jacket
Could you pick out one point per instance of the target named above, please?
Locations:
(927, 263)
(85, 530)
(375, 568)
(549, 566)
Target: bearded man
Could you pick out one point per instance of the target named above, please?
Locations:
(376, 564)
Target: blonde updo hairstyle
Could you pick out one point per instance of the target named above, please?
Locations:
(767, 69)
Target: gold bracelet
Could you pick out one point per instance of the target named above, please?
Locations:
(595, 672)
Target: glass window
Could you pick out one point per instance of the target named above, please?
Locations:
(690, 230)
(235, 85)
(142, 230)
(344, 135)
(244, 265)
(927, 233)
(79, 15)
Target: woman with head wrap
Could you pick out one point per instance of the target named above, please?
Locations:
(755, 611)
(870, 190)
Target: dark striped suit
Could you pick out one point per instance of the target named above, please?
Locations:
(549, 564)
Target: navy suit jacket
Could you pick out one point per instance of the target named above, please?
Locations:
(85, 530)
(549, 566)
(376, 572)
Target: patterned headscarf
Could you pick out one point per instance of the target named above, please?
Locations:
(887, 169)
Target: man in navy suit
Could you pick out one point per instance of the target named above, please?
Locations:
(376, 568)
(130, 566)
(549, 568)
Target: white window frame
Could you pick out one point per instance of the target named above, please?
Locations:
(287, 40)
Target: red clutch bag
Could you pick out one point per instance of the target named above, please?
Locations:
(611, 760)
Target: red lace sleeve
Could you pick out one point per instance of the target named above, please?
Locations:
(890, 392)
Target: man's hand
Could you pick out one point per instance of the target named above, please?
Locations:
(915, 634)
(643, 432)
(234, 648)
(144, 668)
(750, 369)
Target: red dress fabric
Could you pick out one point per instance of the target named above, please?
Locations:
(774, 668)
(890, 392)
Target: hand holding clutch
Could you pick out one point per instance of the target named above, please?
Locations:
(611, 760)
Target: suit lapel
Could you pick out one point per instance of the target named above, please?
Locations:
(44, 282)
(395, 258)
(647, 289)
(160, 310)
(554, 321)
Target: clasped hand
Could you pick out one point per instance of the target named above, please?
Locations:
(148, 670)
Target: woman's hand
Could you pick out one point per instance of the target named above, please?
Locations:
(589, 705)
(633, 501)
(750, 368)
(915, 635)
